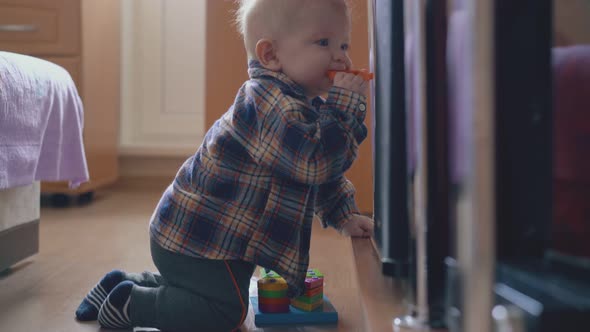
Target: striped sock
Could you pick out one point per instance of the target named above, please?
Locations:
(114, 312)
(88, 309)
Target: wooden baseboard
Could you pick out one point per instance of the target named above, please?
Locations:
(62, 187)
(18, 243)
(149, 166)
(382, 297)
(149, 183)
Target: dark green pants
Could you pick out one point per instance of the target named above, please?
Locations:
(190, 294)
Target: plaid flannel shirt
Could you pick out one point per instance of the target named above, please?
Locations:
(264, 169)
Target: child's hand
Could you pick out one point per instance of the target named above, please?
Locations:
(351, 82)
(358, 226)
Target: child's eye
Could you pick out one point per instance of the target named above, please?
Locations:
(323, 42)
(344, 47)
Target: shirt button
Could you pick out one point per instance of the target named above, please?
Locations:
(362, 107)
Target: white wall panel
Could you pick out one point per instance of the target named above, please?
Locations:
(163, 76)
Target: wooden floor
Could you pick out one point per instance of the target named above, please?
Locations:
(78, 245)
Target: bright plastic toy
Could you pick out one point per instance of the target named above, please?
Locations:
(367, 76)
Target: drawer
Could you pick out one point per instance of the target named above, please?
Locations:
(40, 27)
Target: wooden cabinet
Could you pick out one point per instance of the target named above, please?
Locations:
(40, 26)
(83, 36)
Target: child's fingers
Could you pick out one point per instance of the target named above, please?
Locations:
(355, 81)
(364, 87)
(367, 224)
(351, 81)
(367, 227)
(339, 76)
(348, 76)
(358, 79)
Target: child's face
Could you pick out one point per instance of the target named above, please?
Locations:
(318, 43)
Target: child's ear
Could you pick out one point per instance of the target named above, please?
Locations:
(267, 55)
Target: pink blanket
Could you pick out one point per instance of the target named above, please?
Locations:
(41, 122)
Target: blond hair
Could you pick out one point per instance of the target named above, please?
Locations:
(259, 19)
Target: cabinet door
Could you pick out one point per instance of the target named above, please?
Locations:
(361, 172)
(40, 27)
(163, 76)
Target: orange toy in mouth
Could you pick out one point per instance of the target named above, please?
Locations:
(364, 74)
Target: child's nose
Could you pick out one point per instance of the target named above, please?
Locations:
(342, 58)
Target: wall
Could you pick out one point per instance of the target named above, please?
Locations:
(226, 71)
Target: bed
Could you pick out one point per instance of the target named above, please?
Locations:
(41, 122)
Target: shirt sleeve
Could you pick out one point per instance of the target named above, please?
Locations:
(335, 203)
(298, 142)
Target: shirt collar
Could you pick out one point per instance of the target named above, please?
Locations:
(318, 101)
(287, 85)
